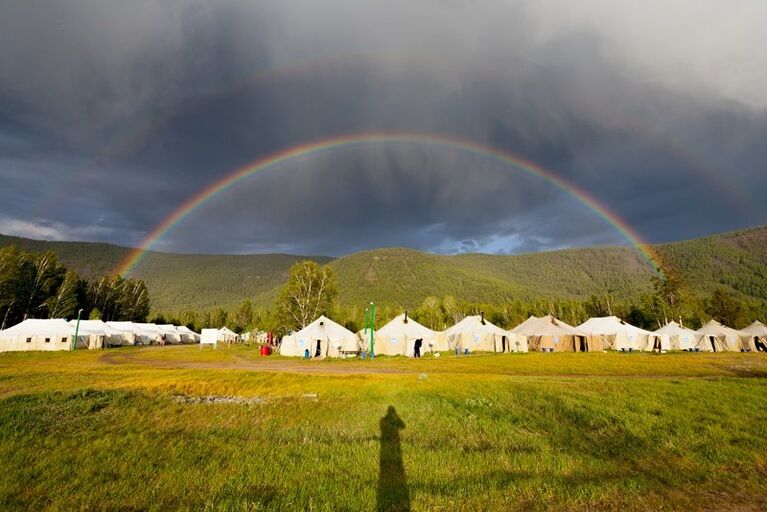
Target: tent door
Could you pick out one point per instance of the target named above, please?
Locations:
(712, 340)
(582, 345)
(503, 344)
(318, 349)
(760, 346)
(656, 346)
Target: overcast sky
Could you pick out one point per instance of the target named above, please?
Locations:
(112, 114)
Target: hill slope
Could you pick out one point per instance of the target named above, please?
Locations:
(736, 260)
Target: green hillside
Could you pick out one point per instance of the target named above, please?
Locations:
(180, 281)
(736, 260)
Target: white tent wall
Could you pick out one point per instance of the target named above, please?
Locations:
(616, 334)
(479, 335)
(170, 334)
(550, 334)
(719, 338)
(322, 338)
(679, 338)
(187, 335)
(398, 337)
(99, 334)
(38, 335)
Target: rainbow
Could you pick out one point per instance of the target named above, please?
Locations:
(317, 147)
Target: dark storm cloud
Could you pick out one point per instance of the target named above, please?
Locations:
(113, 114)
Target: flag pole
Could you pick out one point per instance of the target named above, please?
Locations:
(372, 330)
(77, 330)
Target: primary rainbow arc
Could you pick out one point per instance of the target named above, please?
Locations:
(344, 141)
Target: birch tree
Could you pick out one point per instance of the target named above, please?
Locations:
(309, 293)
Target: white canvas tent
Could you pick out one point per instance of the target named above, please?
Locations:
(757, 332)
(476, 334)
(152, 331)
(322, 338)
(550, 334)
(98, 334)
(187, 335)
(132, 333)
(170, 334)
(618, 335)
(679, 337)
(39, 334)
(226, 335)
(398, 338)
(715, 337)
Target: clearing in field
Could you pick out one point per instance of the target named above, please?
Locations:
(172, 428)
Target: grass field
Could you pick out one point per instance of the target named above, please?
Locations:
(137, 429)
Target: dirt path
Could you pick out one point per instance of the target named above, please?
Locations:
(242, 363)
(143, 357)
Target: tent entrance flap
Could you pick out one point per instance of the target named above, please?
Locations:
(712, 340)
(759, 344)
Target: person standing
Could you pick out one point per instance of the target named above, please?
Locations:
(417, 348)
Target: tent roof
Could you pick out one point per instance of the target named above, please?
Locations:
(398, 326)
(185, 329)
(547, 326)
(324, 328)
(673, 329)
(757, 329)
(714, 328)
(521, 327)
(33, 326)
(227, 331)
(609, 325)
(473, 324)
(94, 327)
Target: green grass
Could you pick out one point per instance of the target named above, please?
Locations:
(513, 432)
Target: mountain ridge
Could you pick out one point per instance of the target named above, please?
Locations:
(403, 276)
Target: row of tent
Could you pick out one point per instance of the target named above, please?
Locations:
(57, 334)
(325, 338)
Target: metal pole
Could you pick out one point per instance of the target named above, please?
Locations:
(372, 330)
(77, 329)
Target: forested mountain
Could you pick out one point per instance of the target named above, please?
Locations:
(734, 261)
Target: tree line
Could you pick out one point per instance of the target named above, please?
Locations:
(311, 290)
(39, 286)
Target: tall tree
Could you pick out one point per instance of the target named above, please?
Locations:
(724, 307)
(63, 304)
(309, 292)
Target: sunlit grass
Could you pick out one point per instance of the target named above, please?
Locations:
(481, 432)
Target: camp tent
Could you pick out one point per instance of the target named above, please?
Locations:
(616, 334)
(187, 335)
(715, 337)
(757, 332)
(550, 334)
(226, 335)
(322, 338)
(679, 337)
(152, 331)
(39, 334)
(169, 334)
(524, 325)
(98, 334)
(398, 338)
(476, 334)
(132, 334)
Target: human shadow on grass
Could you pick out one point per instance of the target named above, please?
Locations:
(393, 493)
